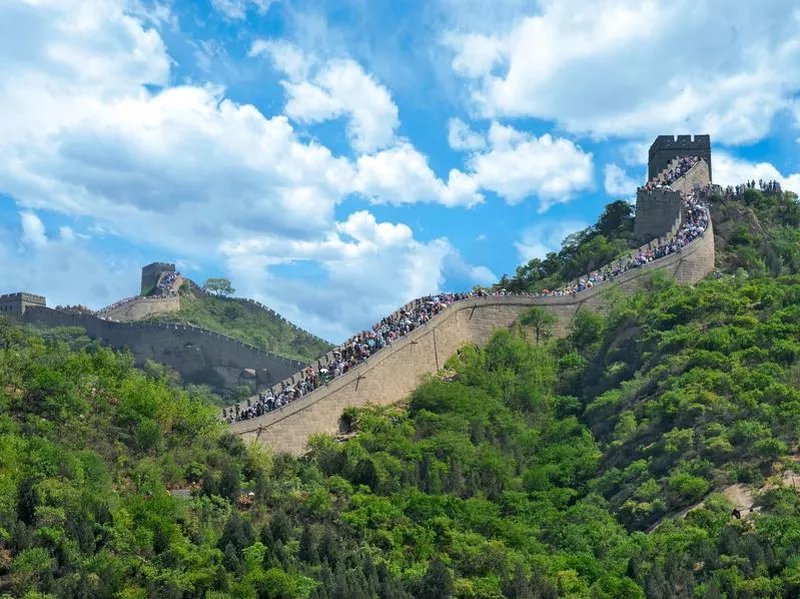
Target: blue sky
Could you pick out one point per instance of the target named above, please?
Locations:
(336, 159)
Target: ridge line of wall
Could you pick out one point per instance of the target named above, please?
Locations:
(577, 300)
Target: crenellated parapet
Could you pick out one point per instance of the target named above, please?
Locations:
(666, 148)
(197, 354)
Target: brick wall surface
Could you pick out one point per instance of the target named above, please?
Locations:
(196, 353)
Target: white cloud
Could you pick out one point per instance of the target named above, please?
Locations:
(461, 137)
(729, 170)
(194, 173)
(518, 165)
(355, 258)
(635, 153)
(62, 268)
(627, 67)
(66, 234)
(237, 9)
(617, 182)
(401, 175)
(545, 237)
(475, 55)
(286, 57)
(32, 230)
(515, 165)
(337, 88)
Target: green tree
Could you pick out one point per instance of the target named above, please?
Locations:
(219, 286)
(540, 320)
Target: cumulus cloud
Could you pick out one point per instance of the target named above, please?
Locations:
(545, 237)
(33, 230)
(729, 170)
(401, 175)
(355, 258)
(62, 268)
(461, 137)
(337, 88)
(91, 128)
(617, 182)
(518, 165)
(627, 67)
(237, 9)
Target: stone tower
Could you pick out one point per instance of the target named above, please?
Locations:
(15, 304)
(151, 272)
(658, 211)
(667, 147)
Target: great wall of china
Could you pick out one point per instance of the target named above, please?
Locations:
(392, 373)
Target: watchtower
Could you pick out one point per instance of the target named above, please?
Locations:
(668, 147)
(15, 304)
(150, 274)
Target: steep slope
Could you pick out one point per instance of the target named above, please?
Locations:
(757, 231)
(247, 321)
(532, 472)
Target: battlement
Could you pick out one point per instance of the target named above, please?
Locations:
(23, 296)
(16, 304)
(665, 148)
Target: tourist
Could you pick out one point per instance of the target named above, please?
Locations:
(363, 345)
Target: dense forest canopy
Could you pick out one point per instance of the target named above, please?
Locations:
(533, 473)
(606, 464)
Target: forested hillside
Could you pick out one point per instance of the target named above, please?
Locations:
(534, 470)
(247, 322)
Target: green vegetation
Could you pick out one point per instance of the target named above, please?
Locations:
(247, 322)
(534, 473)
(757, 232)
(593, 466)
(219, 286)
(581, 252)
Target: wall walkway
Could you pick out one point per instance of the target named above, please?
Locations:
(141, 308)
(394, 372)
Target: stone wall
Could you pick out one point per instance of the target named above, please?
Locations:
(666, 147)
(14, 305)
(657, 212)
(394, 372)
(199, 355)
(143, 307)
(699, 175)
(151, 272)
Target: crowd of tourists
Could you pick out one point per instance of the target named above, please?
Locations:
(682, 166)
(352, 352)
(363, 345)
(166, 286)
(79, 309)
(118, 304)
(737, 191)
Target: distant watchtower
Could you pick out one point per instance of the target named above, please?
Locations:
(668, 147)
(150, 274)
(15, 304)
